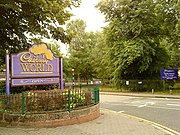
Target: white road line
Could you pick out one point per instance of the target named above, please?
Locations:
(121, 112)
(146, 104)
(173, 104)
(150, 103)
(140, 106)
(166, 108)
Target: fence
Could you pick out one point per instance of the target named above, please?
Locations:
(141, 85)
(45, 101)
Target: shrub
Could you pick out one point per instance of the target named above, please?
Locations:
(40, 101)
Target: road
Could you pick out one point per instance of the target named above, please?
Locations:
(163, 111)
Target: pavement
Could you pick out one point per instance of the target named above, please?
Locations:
(109, 123)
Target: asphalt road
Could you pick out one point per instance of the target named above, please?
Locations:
(163, 111)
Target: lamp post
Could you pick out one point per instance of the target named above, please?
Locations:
(73, 78)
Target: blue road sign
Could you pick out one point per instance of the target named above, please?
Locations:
(169, 74)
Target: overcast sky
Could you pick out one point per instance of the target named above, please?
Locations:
(87, 12)
(91, 15)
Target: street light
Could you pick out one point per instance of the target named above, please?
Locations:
(73, 78)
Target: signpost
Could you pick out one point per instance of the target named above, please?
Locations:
(38, 66)
(7, 73)
(169, 74)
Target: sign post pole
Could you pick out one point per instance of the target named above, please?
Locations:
(61, 73)
(7, 73)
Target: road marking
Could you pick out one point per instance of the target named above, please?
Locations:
(146, 104)
(166, 108)
(173, 104)
(166, 129)
(140, 106)
(150, 103)
(120, 112)
(136, 102)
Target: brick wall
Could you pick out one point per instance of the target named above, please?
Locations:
(50, 119)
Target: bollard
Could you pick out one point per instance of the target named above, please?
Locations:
(152, 91)
(170, 92)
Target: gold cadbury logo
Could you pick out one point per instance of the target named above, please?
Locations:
(30, 62)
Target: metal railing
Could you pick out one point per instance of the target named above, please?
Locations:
(45, 101)
(141, 85)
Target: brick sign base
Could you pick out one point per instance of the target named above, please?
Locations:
(50, 119)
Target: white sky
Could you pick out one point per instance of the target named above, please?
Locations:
(91, 15)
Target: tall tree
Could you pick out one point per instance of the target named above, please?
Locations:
(36, 17)
(80, 49)
(100, 57)
(136, 32)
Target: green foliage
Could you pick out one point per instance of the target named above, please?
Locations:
(37, 17)
(43, 101)
(143, 85)
(80, 48)
(2, 86)
(139, 35)
(100, 57)
(79, 98)
(55, 47)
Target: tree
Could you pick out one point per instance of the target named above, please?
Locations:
(100, 57)
(80, 49)
(36, 17)
(55, 47)
(135, 36)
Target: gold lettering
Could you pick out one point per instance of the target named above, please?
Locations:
(39, 67)
(24, 57)
(25, 67)
(31, 63)
(50, 67)
(32, 67)
(29, 58)
(43, 69)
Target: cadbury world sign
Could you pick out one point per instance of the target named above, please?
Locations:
(38, 66)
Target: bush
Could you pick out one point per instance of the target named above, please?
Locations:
(2, 86)
(40, 101)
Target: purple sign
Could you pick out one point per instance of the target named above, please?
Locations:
(38, 62)
(34, 81)
(38, 66)
(169, 74)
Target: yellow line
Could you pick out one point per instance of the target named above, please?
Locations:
(171, 131)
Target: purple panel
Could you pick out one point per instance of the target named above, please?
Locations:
(26, 64)
(34, 81)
